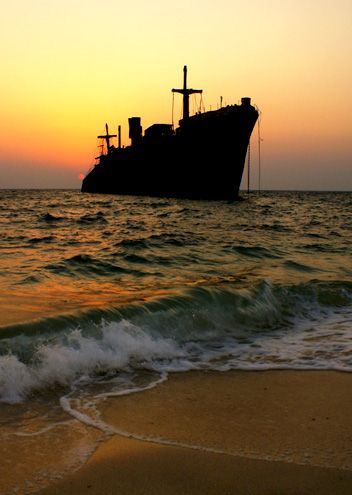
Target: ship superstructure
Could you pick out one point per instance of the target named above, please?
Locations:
(203, 158)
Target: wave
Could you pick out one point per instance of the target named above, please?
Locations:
(37, 240)
(294, 265)
(87, 266)
(92, 218)
(326, 248)
(267, 326)
(161, 240)
(49, 217)
(257, 251)
(31, 279)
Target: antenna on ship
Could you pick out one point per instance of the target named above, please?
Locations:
(101, 147)
(107, 137)
(119, 136)
(186, 92)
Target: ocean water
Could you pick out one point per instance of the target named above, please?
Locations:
(106, 295)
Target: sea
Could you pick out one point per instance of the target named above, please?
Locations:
(105, 295)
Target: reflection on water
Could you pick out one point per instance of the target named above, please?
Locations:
(108, 294)
(80, 248)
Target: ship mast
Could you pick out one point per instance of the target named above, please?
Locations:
(107, 137)
(186, 92)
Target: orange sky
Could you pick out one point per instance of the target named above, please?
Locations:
(69, 66)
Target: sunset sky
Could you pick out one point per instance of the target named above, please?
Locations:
(69, 66)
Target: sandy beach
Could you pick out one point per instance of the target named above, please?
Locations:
(274, 432)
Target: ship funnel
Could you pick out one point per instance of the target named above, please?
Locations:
(246, 101)
(135, 130)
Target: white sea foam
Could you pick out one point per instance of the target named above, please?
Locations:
(78, 358)
(16, 379)
(109, 430)
(124, 347)
(50, 427)
(264, 329)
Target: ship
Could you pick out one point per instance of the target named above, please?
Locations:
(203, 158)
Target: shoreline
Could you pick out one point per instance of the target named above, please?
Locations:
(285, 432)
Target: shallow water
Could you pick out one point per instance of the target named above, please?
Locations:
(107, 294)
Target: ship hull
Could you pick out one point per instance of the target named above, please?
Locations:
(203, 159)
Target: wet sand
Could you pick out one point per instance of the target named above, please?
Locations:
(275, 432)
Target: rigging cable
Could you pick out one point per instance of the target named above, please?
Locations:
(173, 106)
(194, 104)
(202, 107)
(259, 152)
(248, 165)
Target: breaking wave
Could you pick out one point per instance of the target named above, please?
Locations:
(264, 327)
